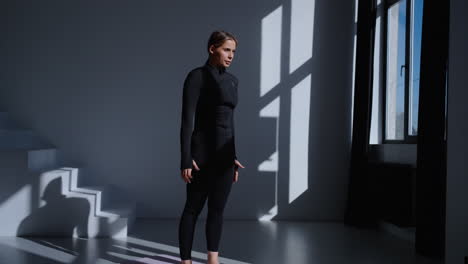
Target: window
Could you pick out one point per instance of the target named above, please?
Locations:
(415, 62)
(395, 74)
(402, 49)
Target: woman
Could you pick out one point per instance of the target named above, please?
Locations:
(209, 163)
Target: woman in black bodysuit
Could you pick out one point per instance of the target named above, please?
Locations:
(209, 163)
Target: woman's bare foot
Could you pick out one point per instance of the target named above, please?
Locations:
(188, 261)
(212, 257)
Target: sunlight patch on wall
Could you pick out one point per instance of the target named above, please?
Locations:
(14, 209)
(299, 139)
(270, 56)
(272, 110)
(302, 33)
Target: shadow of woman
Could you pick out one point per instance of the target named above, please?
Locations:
(60, 217)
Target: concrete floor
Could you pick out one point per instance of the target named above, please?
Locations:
(155, 241)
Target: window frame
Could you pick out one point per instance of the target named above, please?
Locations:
(408, 139)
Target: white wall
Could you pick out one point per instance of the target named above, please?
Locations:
(102, 80)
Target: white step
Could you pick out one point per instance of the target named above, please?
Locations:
(107, 205)
(105, 202)
(40, 200)
(12, 139)
(6, 122)
(125, 210)
(62, 212)
(32, 160)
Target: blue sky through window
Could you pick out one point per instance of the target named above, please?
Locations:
(416, 58)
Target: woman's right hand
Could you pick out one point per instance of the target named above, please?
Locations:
(187, 173)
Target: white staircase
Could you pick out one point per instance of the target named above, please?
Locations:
(40, 198)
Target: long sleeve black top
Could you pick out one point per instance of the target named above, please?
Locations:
(207, 127)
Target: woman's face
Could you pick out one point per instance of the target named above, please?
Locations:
(224, 54)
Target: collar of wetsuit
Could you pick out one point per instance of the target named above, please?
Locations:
(219, 70)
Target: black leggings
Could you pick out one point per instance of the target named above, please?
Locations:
(214, 184)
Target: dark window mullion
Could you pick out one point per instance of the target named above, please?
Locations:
(407, 66)
(391, 2)
(384, 68)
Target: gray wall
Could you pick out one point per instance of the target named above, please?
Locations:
(457, 131)
(102, 81)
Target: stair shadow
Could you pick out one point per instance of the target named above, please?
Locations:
(56, 218)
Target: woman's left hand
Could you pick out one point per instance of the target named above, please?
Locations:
(237, 164)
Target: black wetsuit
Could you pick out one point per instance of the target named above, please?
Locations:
(209, 95)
